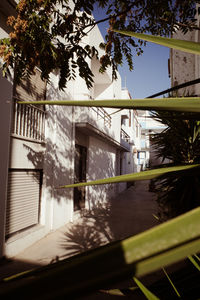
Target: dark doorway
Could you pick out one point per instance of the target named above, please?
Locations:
(80, 176)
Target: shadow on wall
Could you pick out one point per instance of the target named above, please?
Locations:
(57, 157)
(31, 88)
(101, 165)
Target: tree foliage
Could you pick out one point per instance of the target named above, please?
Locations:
(48, 34)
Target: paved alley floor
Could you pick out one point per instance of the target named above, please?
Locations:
(127, 214)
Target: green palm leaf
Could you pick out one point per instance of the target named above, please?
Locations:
(183, 45)
(148, 294)
(194, 262)
(187, 104)
(172, 284)
(145, 175)
(119, 292)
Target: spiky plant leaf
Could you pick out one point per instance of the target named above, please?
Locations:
(183, 45)
(119, 292)
(172, 284)
(145, 175)
(148, 294)
(188, 104)
(193, 261)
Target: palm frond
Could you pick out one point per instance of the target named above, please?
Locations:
(187, 104)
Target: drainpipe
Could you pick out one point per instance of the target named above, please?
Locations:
(72, 155)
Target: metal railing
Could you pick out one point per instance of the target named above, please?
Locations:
(29, 121)
(103, 115)
(125, 136)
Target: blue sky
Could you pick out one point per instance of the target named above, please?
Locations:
(150, 74)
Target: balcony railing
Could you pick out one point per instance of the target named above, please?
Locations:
(125, 136)
(28, 122)
(103, 115)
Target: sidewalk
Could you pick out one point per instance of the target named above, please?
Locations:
(129, 213)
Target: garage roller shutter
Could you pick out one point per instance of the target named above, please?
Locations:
(23, 200)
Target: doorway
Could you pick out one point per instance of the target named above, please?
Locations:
(80, 176)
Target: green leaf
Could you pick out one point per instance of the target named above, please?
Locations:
(193, 261)
(149, 295)
(173, 286)
(197, 257)
(145, 175)
(119, 292)
(183, 45)
(114, 292)
(187, 104)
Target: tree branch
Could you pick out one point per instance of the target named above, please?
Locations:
(108, 18)
(183, 25)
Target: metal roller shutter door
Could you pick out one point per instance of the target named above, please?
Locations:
(23, 200)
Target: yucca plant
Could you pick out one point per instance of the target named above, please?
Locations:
(180, 144)
(136, 256)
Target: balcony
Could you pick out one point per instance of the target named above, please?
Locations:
(125, 139)
(29, 122)
(144, 144)
(102, 116)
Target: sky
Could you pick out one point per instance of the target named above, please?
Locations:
(150, 74)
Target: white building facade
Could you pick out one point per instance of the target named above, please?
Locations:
(47, 147)
(147, 154)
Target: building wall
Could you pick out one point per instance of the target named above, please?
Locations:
(56, 155)
(182, 66)
(59, 158)
(101, 164)
(5, 124)
(56, 158)
(149, 126)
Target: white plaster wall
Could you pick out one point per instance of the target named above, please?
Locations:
(59, 157)
(80, 89)
(116, 126)
(95, 38)
(103, 91)
(101, 164)
(125, 94)
(26, 154)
